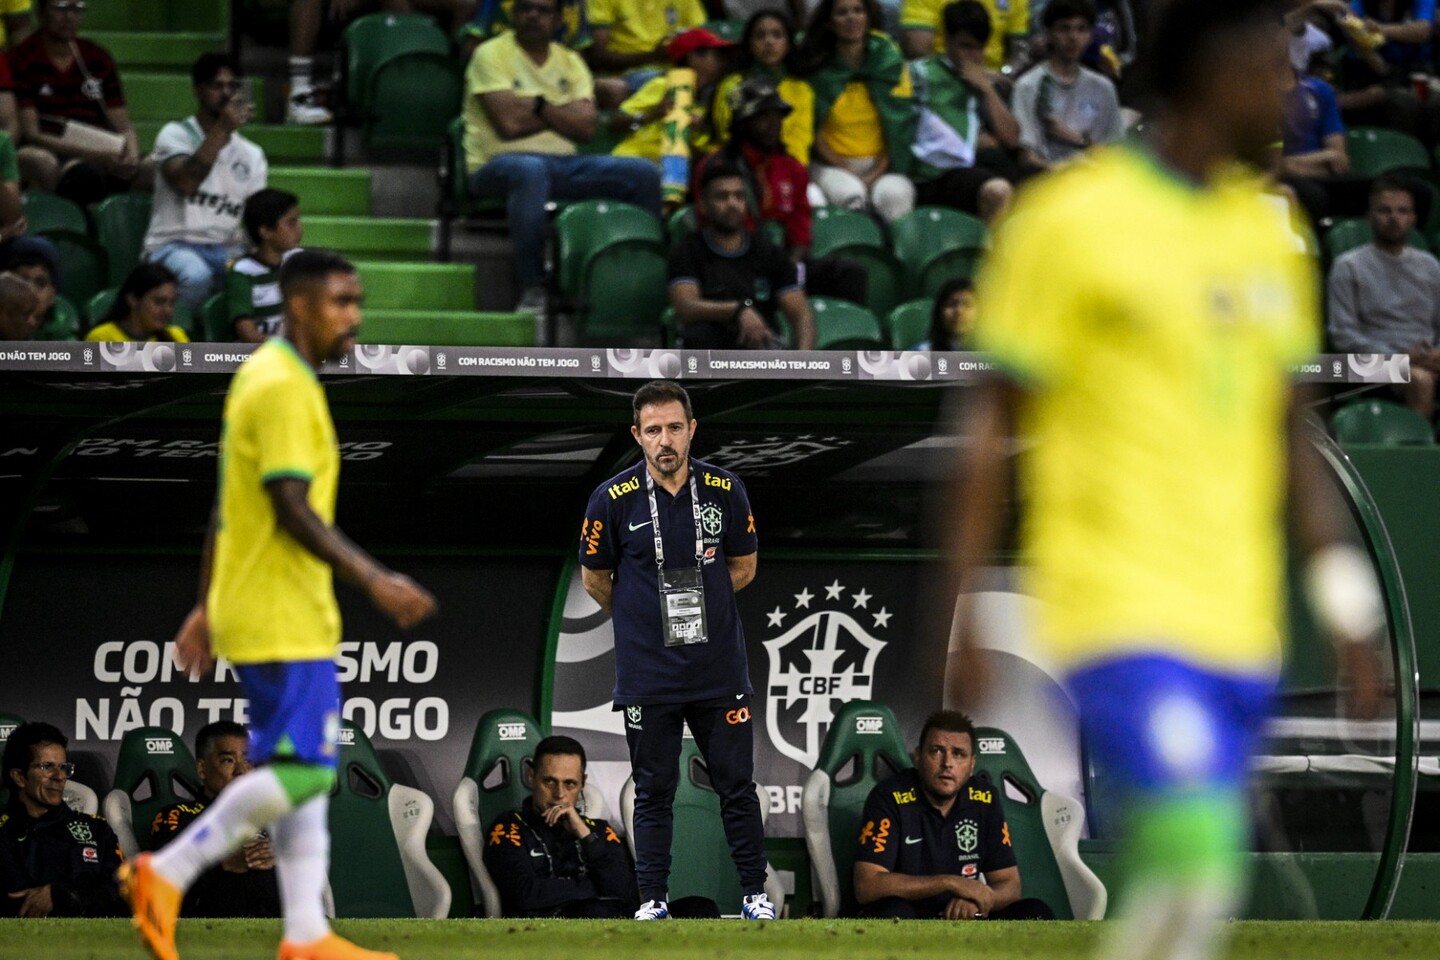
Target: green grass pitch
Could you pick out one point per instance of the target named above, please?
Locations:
(706, 940)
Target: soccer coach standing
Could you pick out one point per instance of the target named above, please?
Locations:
(664, 547)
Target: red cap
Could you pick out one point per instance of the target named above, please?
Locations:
(694, 39)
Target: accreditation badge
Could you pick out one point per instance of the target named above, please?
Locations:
(682, 607)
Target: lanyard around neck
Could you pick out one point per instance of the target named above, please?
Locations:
(655, 518)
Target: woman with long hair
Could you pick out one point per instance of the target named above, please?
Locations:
(143, 309)
(864, 123)
(767, 50)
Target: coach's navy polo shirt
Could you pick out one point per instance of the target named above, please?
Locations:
(904, 833)
(616, 536)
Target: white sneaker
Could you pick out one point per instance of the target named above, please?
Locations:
(757, 907)
(658, 910)
(303, 111)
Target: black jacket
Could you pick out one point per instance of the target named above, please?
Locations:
(539, 869)
(75, 853)
(217, 892)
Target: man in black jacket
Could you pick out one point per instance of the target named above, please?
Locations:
(550, 861)
(54, 861)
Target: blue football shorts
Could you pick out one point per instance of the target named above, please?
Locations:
(294, 710)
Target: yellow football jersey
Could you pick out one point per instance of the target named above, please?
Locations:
(1152, 322)
(271, 599)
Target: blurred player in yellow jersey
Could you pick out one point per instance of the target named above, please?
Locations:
(267, 604)
(1146, 308)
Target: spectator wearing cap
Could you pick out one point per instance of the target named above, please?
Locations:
(767, 52)
(528, 101)
(777, 187)
(644, 113)
(964, 127)
(632, 37)
(864, 118)
(75, 131)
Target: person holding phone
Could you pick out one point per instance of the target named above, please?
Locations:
(207, 170)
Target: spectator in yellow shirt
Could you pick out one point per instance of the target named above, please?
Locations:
(924, 33)
(143, 309)
(767, 51)
(630, 37)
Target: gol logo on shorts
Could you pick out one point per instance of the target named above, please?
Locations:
(733, 717)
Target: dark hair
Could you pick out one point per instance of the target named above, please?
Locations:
(661, 391)
(745, 60)
(948, 721)
(264, 208)
(143, 279)
(1185, 34)
(1057, 10)
(968, 17)
(1389, 183)
(817, 49)
(211, 732)
(941, 336)
(31, 258)
(309, 266)
(19, 749)
(719, 167)
(207, 67)
(560, 746)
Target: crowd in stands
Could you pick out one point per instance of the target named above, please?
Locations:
(885, 110)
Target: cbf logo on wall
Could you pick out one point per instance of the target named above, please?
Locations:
(823, 654)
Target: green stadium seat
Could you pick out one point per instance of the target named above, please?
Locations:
(624, 291)
(1045, 829)
(680, 223)
(448, 328)
(371, 40)
(1351, 232)
(1377, 150)
(184, 16)
(121, 222)
(497, 778)
(584, 229)
(156, 50)
(378, 863)
(845, 326)
(364, 238)
(730, 28)
(836, 229)
(215, 324)
(863, 747)
(64, 324)
(1382, 422)
(153, 770)
(45, 212)
(84, 265)
(909, 323)
(699, 854)
(935, 244)
(387, 59)
(418, 286)
(325, 192)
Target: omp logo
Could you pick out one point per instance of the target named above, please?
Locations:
(159, 746)
(618, 490)
(992, 745)
(345, 737)
(869, 724)
(734, 717)
(824, 659)
(5, 730)
(510, 731)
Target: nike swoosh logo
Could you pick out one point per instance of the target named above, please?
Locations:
(910, 840)
(537, 853)
(637, 526)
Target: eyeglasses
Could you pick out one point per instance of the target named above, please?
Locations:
(49, 768)
(69, 6)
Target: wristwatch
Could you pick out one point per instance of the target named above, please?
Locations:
(741, 307)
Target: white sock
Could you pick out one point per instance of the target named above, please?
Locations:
(300, 71)
(241, 811)
(1167, 920)
(301, 841)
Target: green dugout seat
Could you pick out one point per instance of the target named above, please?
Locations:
(863, 747)
(700, 864)
(364, 238)
(378, 863)
(324, 191)
(845, 326)
(936, 244)
(448, 328)
(497, 778)
(909, 323)
(417, 286)
(1045, 829)
(8, 723)
(1379, 421)
(121, 222)
(154, 769)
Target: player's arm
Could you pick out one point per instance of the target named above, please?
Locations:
(1339, 579)
(1004, 887)
(399, 597)
(975, 515)
(600, 584)
(192, 642)
(742, 570)
(797, 310)
(873, 882)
